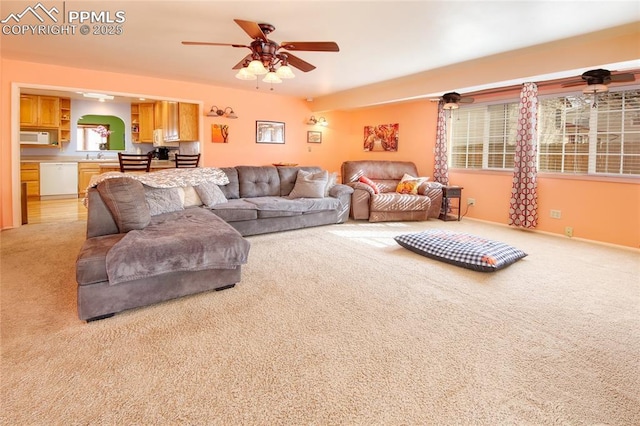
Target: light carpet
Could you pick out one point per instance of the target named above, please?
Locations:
(329, 326)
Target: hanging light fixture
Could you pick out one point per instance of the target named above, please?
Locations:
(450, 105)
(275, 68)
(227, 112)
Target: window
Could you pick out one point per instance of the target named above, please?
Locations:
(574, 135)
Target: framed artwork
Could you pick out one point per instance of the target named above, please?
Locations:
(269, 132)
(314, 137)
(219, 133)
(383, 137)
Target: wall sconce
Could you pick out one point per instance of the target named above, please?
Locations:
(319, 121)
(227, 112)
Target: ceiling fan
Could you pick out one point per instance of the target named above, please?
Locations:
(597, 80)
(452, 100)
(267, 56)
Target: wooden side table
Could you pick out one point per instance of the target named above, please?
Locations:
(451, 203)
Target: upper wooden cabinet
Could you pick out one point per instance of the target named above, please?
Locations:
(142, 123)
(39, 111)
(178, 120)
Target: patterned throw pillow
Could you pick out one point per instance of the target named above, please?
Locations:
(461, 249)
(371, 183)
(408, 186)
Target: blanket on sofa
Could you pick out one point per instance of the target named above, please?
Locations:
(179, 241)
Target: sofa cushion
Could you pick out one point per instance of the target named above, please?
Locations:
(210, 194)
(123, 199)
(258, 181)
(163, 200)
(461, 249)
(331, 182)
(310, 185)
(392, 201)
(236, 210)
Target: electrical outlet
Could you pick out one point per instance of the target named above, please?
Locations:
(471, 201)
(568, 231)
(556, 214)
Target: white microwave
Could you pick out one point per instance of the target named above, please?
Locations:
(34, 138)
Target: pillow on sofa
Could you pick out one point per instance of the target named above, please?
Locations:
(163, 200)
(191, 197)
(124, 199)
(371, 183)
(407, 176)
(210, 194)
(310, 185)
(408, 186)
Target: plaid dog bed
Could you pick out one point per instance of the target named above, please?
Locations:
(461, 249)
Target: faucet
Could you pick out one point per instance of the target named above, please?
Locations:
(100, 156)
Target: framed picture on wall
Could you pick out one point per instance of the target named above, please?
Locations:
(269, 132)
(314, 137)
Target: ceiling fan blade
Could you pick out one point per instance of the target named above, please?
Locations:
(467, 100)
(251, 28)
(623, 77)
(311, 46)
(299, 63)
(204, 43)
(242, 62)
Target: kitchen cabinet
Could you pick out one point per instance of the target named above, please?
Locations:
(39, 111)
(142, 123)
(178, 120)
(146, 123)
(30, 173)
(64, 132)
(85, 172)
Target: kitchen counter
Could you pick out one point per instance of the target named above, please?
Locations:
(106, 163)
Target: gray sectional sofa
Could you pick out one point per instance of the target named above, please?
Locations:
(144, 246)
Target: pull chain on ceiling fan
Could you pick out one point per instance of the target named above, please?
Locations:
(266, 57)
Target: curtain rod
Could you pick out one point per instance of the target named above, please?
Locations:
(544, 83)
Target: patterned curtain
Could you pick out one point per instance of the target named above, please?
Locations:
(441, 169)
(523, 211)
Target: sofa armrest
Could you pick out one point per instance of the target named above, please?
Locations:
(342, 193)
(99, 218)
(433, 190)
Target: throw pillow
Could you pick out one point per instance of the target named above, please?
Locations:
(310, 185)
(210, 194)
(163, 200)
(333, 179)
(191, 197)
(461, 249)
(408, 186)
(124, 199)
(407, 176)
(371, 183)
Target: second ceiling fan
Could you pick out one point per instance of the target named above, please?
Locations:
(267, 56)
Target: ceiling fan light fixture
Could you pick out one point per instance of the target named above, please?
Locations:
(595, 88)
(450, 105)
(271, 77)
(245, 74)
(284, 71)
(256, 67)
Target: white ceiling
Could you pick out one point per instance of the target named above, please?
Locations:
(379, 40)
